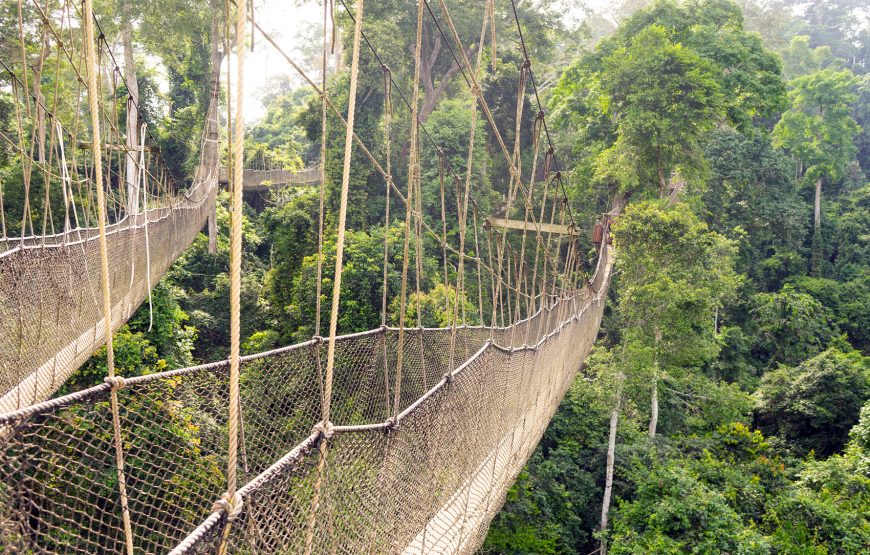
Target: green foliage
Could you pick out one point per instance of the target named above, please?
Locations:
(276, 140)
(818, 129)
(847, 302)
(205, 279)
(663, 97)
(553, 506)
(750, 197)
(790, 326)
(673, 273)
(799, 59)
(436, 307)
(813, 406)
(639, 104)
(675, 512)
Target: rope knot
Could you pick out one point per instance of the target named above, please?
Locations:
(117, 382)
(386, 69)
(327, 430)
(232, 506)
(448, 378)
(390, 424)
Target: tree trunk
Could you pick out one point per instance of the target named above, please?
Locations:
(816, 262)
(611, 455)
(131, 174)
(654, 406)
(654, 400)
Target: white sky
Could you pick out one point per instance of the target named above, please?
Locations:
(285, 21)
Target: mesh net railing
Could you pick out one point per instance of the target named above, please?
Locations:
(427, 481)
(51, 314)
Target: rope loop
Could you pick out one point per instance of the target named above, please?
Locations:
(117, 382)
(230, 505)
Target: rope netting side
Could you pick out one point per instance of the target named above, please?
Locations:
(51, 311)
(430, 480)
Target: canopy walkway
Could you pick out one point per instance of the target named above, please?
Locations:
(426, 481)
(400, 439)
(263, 180)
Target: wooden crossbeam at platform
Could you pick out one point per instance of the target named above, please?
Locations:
(557, 229)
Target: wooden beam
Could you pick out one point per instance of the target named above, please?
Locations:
(530, 227)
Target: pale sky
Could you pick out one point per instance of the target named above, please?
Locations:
(286, 22)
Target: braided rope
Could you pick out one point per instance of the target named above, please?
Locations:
(93, 103)
(464, 211)
(236, 215)
(412, 175)
(319, 284)
(339, 265)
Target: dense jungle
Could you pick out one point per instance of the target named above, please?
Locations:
(726, 405)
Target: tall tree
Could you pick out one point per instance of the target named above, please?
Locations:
(638, 104)
(819, 131)
(673, 274)
(663, 97)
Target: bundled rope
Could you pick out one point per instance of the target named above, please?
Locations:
(413, 174)
(232, 501)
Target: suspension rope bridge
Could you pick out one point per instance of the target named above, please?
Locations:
(394, 440)
(261, 180)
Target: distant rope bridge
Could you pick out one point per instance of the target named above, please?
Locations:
(401, 439)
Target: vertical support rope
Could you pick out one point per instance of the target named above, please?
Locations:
(144, 184)
(412, 175)
(323, 107)
(336, 287)
(93, 106)
(236, 249)
(231, 500)
(443, 225)
(477, 267)
(342, 214)
(388, 116)
(463, 210)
